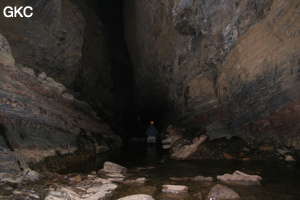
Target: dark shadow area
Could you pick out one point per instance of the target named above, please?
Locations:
(122, 103)
(3, 138)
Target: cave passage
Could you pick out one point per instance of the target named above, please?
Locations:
(151, 108)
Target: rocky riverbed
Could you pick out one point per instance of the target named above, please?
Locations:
(116, 182)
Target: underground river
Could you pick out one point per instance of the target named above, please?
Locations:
(280, 180)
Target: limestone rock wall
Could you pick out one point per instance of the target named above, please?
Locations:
(43, 41)
(38, 118)
(230, 66)
(68, 41)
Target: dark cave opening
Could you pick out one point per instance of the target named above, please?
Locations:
(125, 104)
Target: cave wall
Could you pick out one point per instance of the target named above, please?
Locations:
(51, 65)
(43, 41)
(39, 118)
(229, 66)
(68, 41)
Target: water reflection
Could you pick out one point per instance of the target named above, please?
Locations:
(151, 151)
(280, 180)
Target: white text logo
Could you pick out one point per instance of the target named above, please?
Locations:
(18, 11)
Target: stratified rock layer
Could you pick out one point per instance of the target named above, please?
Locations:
(38, 118)
(229, 66)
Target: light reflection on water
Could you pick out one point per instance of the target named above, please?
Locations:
(281, 181)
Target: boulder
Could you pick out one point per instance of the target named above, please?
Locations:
(137, 197)
(174, 188)
(185, 151)
(240, 178)
(221, 192)
(111, 167)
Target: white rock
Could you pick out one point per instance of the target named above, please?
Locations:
(104, 188)
(174, 188)
(102, 180)
(137, 197)
(109, 187)
(114, 168)
(222, 192)
(289, 159)
(240, 178)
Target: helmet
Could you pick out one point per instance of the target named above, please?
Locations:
(151, 122)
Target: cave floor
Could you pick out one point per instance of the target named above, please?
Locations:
(280, 180)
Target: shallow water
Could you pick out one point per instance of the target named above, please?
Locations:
(281, 181)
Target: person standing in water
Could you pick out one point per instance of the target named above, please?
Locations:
(151, 133)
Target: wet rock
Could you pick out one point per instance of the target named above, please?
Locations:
(99, 192)
(174, 189)
(184, 151)
(289, 158)
(63, 193)
(137, 197)
(240, 178)
(221, 192)
(114, 168)
(136, 181)
(115, 177)
(203, 179)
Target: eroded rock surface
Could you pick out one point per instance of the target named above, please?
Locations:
(38, 118)
(43, 41)
(230, 66)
